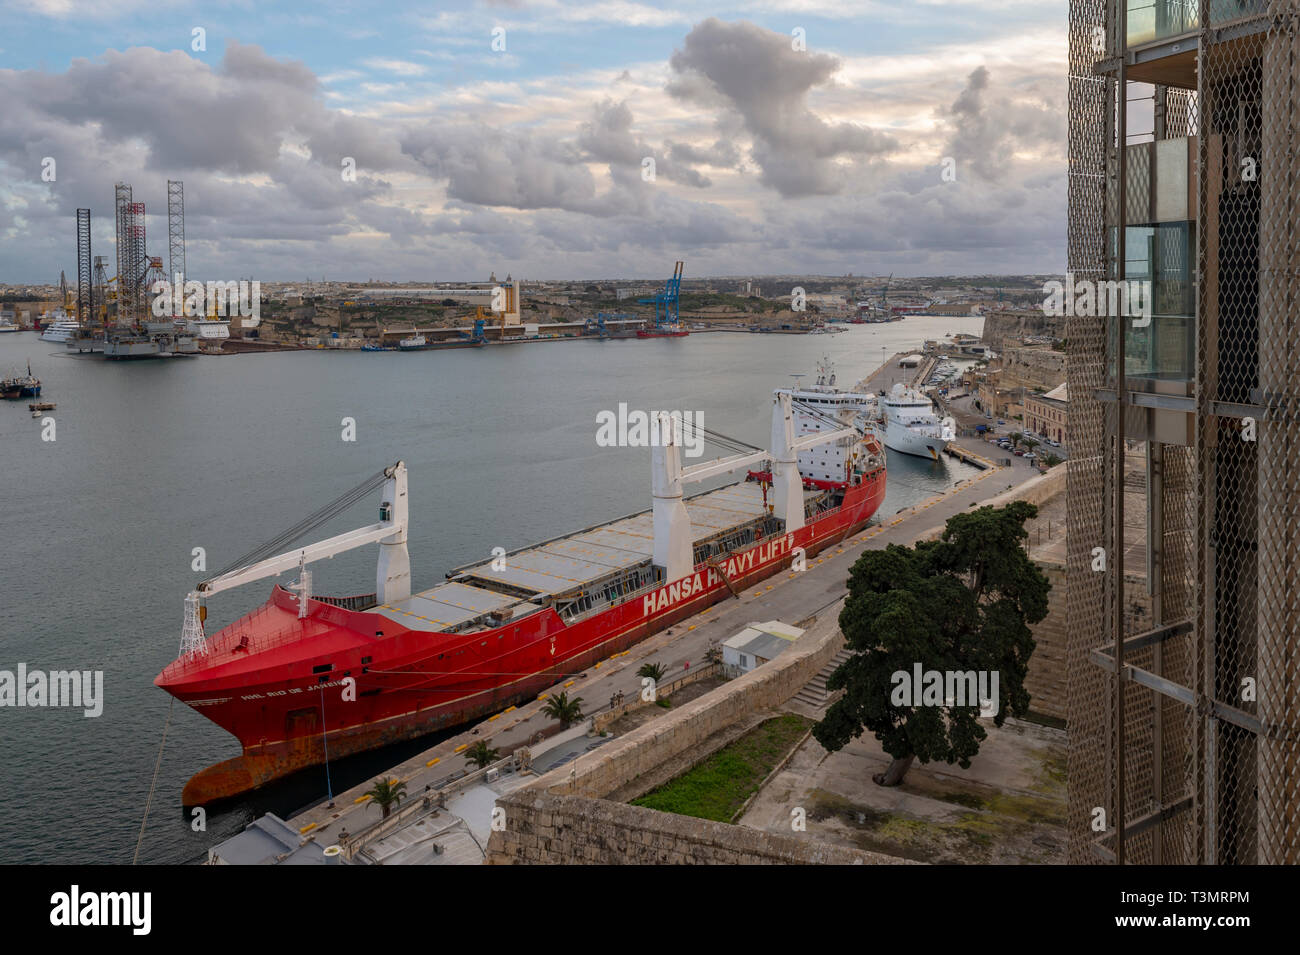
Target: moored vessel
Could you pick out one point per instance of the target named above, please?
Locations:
(21, 386)
(58, 327)
(306, 675)
(667, 330)
(909, 425)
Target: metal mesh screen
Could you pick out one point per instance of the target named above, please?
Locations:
(1090, 105)
(1274, 659)
(1184, 174)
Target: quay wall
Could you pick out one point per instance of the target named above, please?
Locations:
(547, 828)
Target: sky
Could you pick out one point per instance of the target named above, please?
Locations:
(540, 138)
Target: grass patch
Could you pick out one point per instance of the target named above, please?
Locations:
(719, 786)
(1053, 775)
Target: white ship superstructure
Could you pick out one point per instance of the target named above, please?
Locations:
(823, 407)
(910, 425)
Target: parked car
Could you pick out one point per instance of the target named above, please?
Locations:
(1019, 452)
(1031, 456)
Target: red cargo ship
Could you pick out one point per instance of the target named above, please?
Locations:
(305, 677)
(662, 331)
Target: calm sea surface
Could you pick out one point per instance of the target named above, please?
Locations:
(154, 459)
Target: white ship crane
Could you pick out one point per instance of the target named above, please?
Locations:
(393, 574)
(672, 526)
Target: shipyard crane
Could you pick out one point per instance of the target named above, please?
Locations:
(597, 326)
(665, 302)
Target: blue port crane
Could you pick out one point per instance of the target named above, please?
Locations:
(665, 302)
(597, 326)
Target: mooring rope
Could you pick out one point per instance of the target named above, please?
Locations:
(153, 782)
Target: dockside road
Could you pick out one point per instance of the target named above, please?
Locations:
(891, 373)
(794, 598)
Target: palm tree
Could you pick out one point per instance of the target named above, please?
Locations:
(1030, 443)
(481, 754)
(1016, 437)
(654, 671)
(387, 793)
(560, 707)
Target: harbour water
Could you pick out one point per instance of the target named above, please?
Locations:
(153, 460)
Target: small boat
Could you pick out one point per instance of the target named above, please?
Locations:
(41, 406)
(21, 386)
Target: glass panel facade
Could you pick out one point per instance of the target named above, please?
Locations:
(1160, 339)
(1151, 20)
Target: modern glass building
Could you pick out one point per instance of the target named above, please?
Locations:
(1184, 420)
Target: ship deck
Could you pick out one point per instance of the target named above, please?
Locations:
(569, 564)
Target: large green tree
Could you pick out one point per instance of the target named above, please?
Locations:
(961, 603)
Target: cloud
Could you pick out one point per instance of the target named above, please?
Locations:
(400, 67)
(757, 74)
(767, 159)
(608, 137)
(986, 128)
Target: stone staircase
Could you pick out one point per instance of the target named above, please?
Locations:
(814, 694)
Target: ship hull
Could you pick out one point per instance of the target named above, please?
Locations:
(288, 712)
(904, 440)
(642, 333)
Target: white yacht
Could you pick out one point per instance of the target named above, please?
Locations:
(910, 425)
(56, 326)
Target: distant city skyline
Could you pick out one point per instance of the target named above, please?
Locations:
(921, 138)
